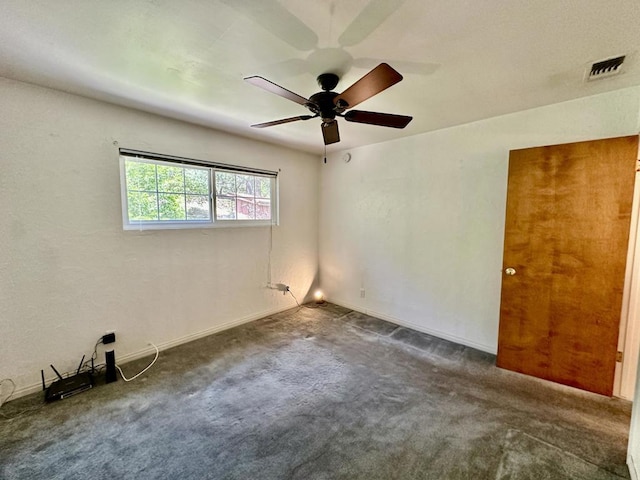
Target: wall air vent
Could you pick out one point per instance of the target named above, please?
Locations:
(606, 68)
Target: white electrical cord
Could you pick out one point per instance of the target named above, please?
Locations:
(270, 251)
(144, 370)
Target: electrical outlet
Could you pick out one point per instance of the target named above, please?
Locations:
(108, 338)
(362, 293)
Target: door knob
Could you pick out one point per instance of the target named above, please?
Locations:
(510, 271)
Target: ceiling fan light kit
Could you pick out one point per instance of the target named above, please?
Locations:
(328, 104)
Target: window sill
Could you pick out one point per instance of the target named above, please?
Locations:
(187, 226)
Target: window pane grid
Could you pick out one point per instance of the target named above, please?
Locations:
(242, 197)
(158, 192)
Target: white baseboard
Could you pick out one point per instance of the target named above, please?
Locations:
(129, 357)
(195, 336)
(419, 328)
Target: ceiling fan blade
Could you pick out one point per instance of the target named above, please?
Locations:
(377, 118)
(370, 18)
(284, 120)
(269, 86)
(377, 80)
(330, 132)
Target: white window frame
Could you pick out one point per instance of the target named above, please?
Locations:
(212, 168)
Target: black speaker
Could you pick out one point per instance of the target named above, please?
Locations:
(110, 359)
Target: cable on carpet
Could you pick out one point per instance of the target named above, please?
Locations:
(298, 303)
(13, 390)
(144, 370)
(6, 399)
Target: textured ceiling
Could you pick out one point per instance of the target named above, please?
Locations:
(461, 60)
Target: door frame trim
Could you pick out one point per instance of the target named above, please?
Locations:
(629, 338)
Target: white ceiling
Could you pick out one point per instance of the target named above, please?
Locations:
(462, 60)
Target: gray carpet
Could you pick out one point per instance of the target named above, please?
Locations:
(528, 458)
(319, 393)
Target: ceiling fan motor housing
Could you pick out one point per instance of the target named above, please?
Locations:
(322, 104)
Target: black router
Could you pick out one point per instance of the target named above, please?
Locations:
(67, 386)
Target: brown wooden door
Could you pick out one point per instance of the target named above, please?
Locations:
(566, 237)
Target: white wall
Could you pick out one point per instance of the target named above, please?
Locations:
(68, 270)
(419, 222)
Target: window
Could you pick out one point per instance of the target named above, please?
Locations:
(158, 192)
(170, 192)
(242, 196)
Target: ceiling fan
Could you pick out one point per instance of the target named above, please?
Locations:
(328, 104)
